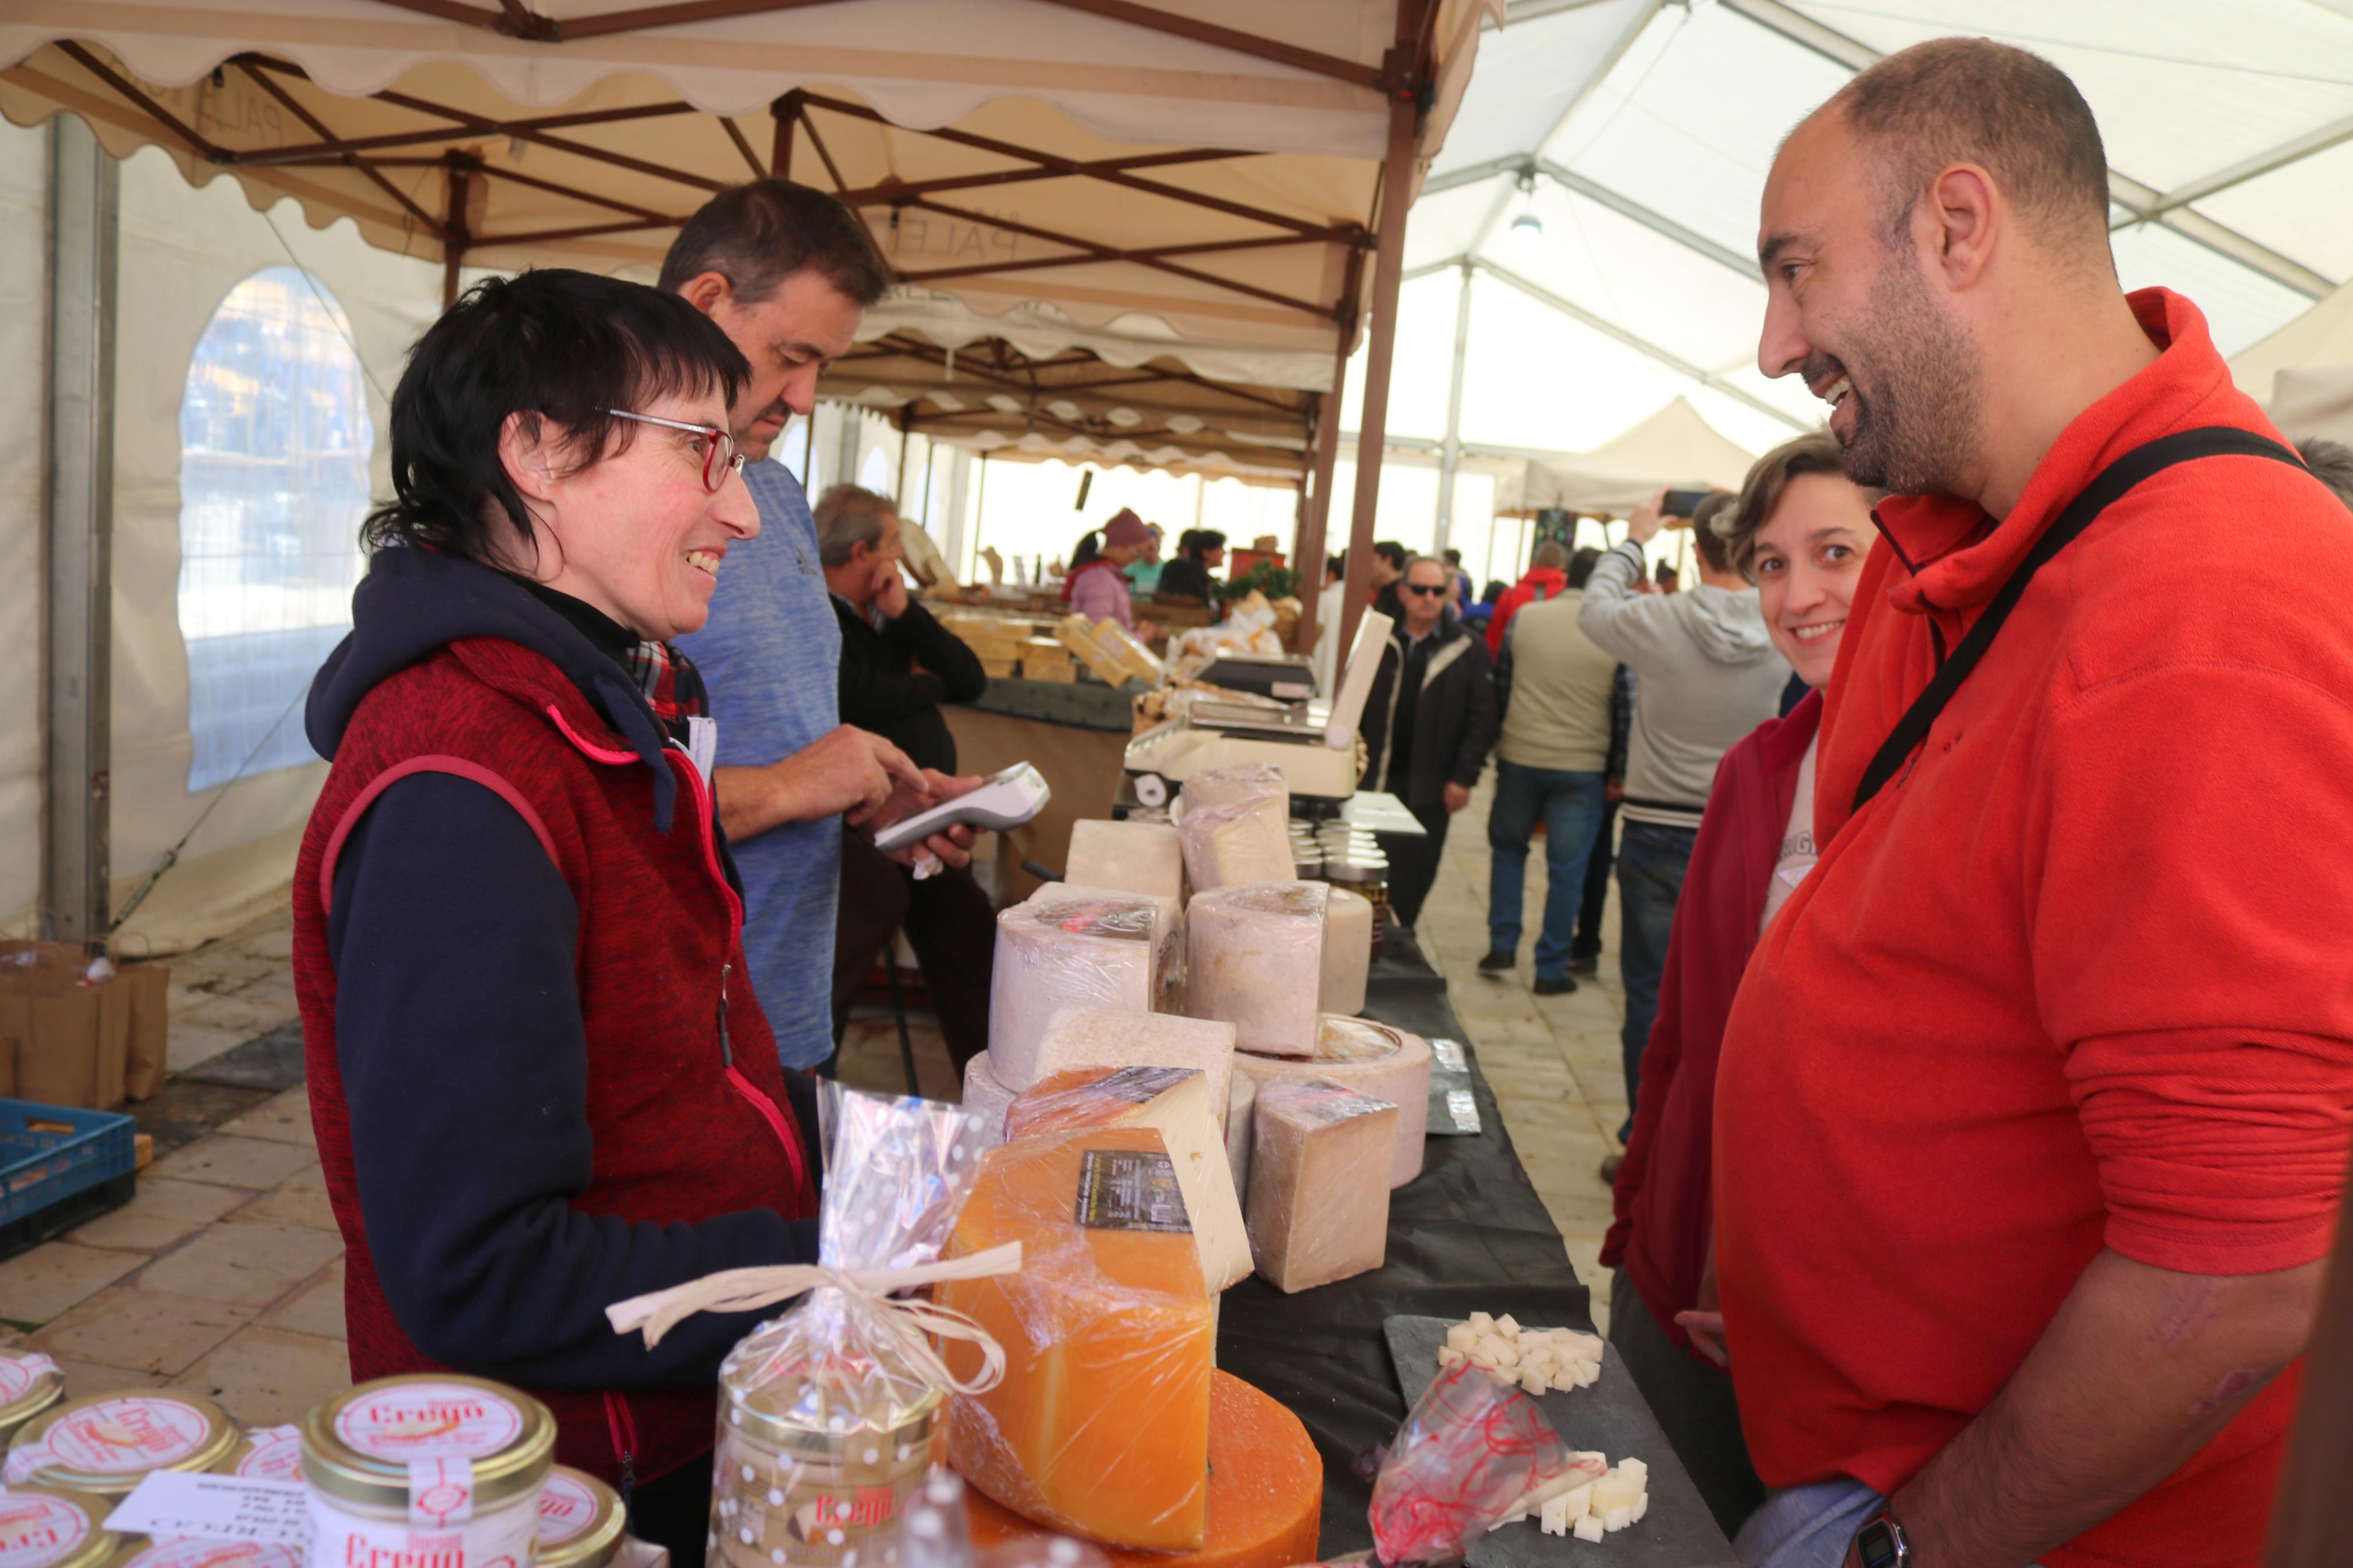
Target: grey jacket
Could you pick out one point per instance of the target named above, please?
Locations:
(1705, 674)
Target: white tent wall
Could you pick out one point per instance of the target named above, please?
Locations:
(182, 251)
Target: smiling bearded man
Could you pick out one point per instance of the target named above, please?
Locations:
(2032, 1109)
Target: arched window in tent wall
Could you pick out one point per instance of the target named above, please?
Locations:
(275, 440)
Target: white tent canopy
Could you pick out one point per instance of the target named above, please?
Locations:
(1673, 447)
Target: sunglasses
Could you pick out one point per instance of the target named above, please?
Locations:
(1427, 590)
(720, 459)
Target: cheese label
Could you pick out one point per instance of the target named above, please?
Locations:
(1119, 922)
(1131, 1189)
(428, 1420)
(272, 1453)
(565, 1509)
(35, 1529)
(123, 1436)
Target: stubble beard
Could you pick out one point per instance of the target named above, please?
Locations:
(1925, 415)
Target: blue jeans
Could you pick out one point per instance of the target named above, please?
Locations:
(1570, 805)
(1650, 865)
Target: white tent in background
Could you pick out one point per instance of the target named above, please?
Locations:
(2303, 372)
(1673, 446)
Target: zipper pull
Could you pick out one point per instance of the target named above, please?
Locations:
(726, 1049)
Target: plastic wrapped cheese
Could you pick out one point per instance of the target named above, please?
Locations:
(1266, 1491)
(1347, 951)
(1236, 827)
(1097, 1037)
(1313, 1218)
(1371, 1059)
(1133, 856)
(1239, 1121)
(1255, 959)
(1073, 947)
(1101, 1424)
(1175, 1102)
(984, 1101)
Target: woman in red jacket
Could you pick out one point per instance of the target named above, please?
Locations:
(1800, 532)
(539, 1079)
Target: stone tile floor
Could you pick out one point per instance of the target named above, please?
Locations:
(224, 1274)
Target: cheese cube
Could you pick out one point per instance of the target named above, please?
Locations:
(1461, 1337)
(1243, 836)
(1617, 1519)
(1578, 1501)
(1371, 1059)
(1509, 1326)
(1073, 947)
(1101, 1424)
(1313, 1217)
(1255, 951)
(1105, 1038)
(1589, 1528)
(1554, 1520)
(1347, 954)
(1641, 1506)
(1133, 857)
(1480, 1322)
(1614, 1491)
(1635, 1470)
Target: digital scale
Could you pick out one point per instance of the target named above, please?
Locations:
(1314, 743)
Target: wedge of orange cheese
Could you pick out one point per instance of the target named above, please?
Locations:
(1101, 1424)
(1266, 1491)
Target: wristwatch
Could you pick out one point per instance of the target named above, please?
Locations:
(1881, 1544)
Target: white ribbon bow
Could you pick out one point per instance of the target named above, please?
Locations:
(748, 1290)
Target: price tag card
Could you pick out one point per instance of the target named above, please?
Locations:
(217, 1508)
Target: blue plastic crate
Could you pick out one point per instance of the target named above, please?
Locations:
(50, 1154)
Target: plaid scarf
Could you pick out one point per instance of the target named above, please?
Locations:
(672, 685)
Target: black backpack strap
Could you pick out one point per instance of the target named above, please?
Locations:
(2106, 486)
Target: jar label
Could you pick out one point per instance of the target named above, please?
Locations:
(565, 1509)
(38, 1530)
(275, 1454)
(195, 1554)
(428, 1420)
(22, 1461)
(498, 1540)
(18, 1373)
(127, 1436)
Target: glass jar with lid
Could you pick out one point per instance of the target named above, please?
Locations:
(581, 1520)
(106, 1444)
(29, 1384)
(51, 1527)
(431, 1467)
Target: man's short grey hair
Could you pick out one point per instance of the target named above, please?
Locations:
(1551, 555)
(846, 517)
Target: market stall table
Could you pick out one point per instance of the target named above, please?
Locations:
(1470, 1235)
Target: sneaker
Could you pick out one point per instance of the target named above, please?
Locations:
(1610, 1163)
(1555, 986)
(1586, 966)
(1496, 960)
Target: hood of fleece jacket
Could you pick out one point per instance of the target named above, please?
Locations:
(1729, 626)
(414, 602)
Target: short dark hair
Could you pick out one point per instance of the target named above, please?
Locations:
(759, 234)
(1734, 529)
(551, 344)
(1581, 565)
(1705, 539)
(848, 516)
(2331, 463)
(1205, 539)
(1390, 551)
(1550, 556)
(2014, 113)
(1454, 556)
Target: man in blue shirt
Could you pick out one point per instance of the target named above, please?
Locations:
(788, 272)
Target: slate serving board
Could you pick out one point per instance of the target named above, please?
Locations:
(1610, 1416)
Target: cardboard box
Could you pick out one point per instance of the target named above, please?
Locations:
(150, 989)
(69, 1040)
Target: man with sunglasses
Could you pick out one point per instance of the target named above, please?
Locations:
(788, 272)
(1429, 722)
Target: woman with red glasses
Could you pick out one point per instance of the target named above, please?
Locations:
(539, 1079)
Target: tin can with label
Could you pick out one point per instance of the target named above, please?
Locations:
(435, 1466)
(104, 1445)
(581, 1520)
(52, 1527)
(29, 1384)
(194, 1552)
(808, 1479)
(268, 1454)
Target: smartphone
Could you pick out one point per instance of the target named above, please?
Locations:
(1682, 503)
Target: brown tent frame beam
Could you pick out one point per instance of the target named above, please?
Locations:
(1152, 373)
(584, 231)
(675, 15)
(1338, 236)
(131, 91)
(293, 106)
(1105, 253)
(742, 145)
(875, 195)
(1144, 253)
(825, 157)
(915, 389)
(892, 345)
(470, 125)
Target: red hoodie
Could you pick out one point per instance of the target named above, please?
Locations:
(2081, 976)
(1541, 583)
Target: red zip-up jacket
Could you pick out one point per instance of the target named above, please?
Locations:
(1541, 583)
(2079, 977)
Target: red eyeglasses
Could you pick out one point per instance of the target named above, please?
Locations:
(720, 457)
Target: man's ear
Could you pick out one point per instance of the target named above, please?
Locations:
(1964, 214)
(706, 291)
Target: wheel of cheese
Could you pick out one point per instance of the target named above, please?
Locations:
(1255, 959)
(1236, 827)
(1138, 857)
(987, 1098)
(1347, 951)
(1371, 1059)
(1074, 947)
(1100, 1038)
(1266, 1491)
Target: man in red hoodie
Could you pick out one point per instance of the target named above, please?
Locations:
(2032, 1118)
(1547, 578)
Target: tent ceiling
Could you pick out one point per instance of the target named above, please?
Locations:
(1637, 135)
(1005, 151)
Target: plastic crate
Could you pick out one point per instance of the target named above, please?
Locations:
(58, 1168)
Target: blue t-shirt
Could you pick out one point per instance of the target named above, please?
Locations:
(771, 655)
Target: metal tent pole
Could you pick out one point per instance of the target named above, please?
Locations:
(84, 212)
(1449, 458)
